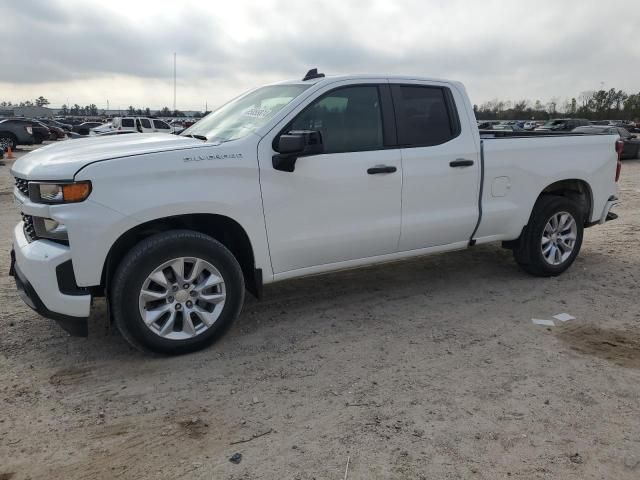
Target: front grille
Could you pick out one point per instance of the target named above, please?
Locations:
(29, 229)
(23, 186)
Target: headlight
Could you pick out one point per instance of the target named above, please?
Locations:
(54, 193)
(49, 228)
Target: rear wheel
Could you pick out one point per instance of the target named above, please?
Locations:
(552, 239)
(176, 292)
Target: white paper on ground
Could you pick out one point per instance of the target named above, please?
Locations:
(563, 317)
(539, 321)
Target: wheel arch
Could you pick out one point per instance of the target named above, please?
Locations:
(224, 229)
(576, 189)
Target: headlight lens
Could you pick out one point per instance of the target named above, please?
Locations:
(50, 192)
(53, 193)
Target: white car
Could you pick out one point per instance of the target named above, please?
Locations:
(291, 179)
(141, 125)
(104, 128)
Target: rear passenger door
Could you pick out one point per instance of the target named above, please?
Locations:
(440, 165)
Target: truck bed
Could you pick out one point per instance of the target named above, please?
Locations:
(517, 166)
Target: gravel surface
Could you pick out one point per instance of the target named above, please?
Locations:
(428, 369)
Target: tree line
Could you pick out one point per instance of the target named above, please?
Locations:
(609, 104)
(93, 111)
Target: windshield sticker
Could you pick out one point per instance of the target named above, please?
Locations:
(256, 112)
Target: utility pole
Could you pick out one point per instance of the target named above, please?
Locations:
(174, 81)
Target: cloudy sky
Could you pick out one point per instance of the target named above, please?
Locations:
(122, 51)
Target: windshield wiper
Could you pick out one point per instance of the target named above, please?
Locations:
(195, 135)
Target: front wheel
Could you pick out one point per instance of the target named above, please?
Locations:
(551, 241)
(176, 292)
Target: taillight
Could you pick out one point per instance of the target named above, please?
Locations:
(29, 130)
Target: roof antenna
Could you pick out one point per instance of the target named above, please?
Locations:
(311, 74)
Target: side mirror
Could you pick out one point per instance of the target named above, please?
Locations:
(294, 144)
(289, 144)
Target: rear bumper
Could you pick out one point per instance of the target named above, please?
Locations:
(607, 214)
(35, 268)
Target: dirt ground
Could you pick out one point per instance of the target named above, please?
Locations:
(429, 369)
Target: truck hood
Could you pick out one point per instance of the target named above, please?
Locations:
(61, 161)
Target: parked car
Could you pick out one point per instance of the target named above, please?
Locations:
(55, 132)
(141, 125)
(104, 128)
(288, 180)
(563, 124)
(85, 127)
(531, 125)
(631, 147)
(53, 123)
(40, 131)
(176, 124)
(487, 124)
(14, 132)
(510, 127)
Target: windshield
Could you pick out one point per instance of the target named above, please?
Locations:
(246, 113)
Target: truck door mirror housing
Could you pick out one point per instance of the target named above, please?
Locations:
(294, 144)
(289, 144)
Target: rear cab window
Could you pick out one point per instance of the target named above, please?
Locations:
(425, 115)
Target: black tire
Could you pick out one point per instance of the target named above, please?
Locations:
(8, 139)
(528, 251)
(37, 139)
(147, 256)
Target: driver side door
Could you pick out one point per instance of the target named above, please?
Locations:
(342, 204)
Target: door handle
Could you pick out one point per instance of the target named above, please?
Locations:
(381, 169)
(461, 162)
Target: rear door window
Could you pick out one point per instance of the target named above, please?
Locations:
(145, 123)
(425, 115)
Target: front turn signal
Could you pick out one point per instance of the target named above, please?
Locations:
(76, 192)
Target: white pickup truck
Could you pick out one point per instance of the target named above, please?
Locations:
(291, 179)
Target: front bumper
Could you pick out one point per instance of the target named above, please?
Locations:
(35, 268)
